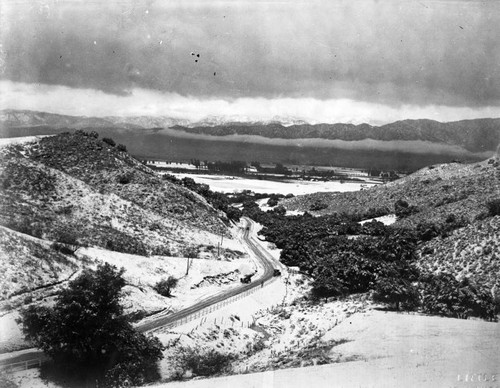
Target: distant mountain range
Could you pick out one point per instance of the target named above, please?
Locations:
(406, 144)
(477, 135)
(15, 118)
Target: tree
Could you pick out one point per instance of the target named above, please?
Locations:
(109, 141)
(202, 363)
(396, 291)
(86, 329)
(121, 148)
(233, 213)
(164, 287)
(443, 294)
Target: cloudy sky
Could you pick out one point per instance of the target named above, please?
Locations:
(322, 61)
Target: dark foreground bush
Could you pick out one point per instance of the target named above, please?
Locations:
(164, 287)
(87, 332)
(202, 363)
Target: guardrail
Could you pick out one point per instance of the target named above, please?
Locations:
(216, 306)
(22, 365)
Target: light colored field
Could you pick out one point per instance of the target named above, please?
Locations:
(231, 184)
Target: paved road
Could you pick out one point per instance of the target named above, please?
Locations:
(264, 258)
(259, 253)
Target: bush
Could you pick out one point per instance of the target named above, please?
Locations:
(318, 205)
(233, 213)
(272, 202)
(122, 243)
(123, 179)
(206, 363)
(164, 287)
(67, 237)
(494, 207)
(403, 209)
(443, 294)
(428, 230)
(63, 248)
(109, 141)
(397, 292)
(121, 148)
(87, 330)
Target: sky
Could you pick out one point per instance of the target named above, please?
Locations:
(320, 61)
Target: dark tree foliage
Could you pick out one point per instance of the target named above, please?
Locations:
(403, 209)
(494, 207)
(87, 329)
(124, 178)
(428, 230)
(272, 202)
(234, 167)
(109, 141)
(318, 205)
(67, 236)
(234, 213)
(443, 294)
(206, 363)
(398, 292)
(121, 148)
(164, 287)
(344, 257)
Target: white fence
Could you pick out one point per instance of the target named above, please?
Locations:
(22, 365)
(217, 306)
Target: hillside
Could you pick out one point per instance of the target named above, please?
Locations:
(472, 135)
(432, 194)
(72, 201)
(78, 182)
(472, 252)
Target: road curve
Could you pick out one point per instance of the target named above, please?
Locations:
(267, 262)
(264, 258)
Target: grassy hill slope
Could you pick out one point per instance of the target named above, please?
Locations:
(79, 186)
(432, 193)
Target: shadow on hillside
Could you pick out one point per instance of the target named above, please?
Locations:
(71, 376)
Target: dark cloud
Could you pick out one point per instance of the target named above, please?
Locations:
(395, 52)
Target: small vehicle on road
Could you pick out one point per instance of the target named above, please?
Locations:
(276, 272)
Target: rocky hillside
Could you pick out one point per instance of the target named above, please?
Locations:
(78, 189)
(433, 194)
(30, 261)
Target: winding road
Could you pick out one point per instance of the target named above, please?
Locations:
(259, 253)
(34, 356)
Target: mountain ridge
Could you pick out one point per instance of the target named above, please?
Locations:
(476, 135)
